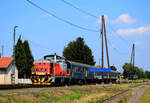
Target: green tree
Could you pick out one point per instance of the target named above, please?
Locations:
(147, 74)
(113, 68)
(78, 51)
(139, 72)
(127, 71)
(29, 58)
(20, 58)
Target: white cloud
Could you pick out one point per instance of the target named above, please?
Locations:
(99, 21)
(124, 19)
(45, 15)
(138, 43)
(145, 30)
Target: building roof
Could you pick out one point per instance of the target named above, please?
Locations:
(98, 66)
(5, 61)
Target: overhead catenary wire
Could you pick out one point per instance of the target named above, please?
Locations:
(70, 23)
(63, 20)
(80, 10)
(120, 37)
(77, 26)
(113, 46)
(96, 17)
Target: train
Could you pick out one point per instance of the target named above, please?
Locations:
(54, 69)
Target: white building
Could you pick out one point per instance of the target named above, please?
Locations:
(8, 71)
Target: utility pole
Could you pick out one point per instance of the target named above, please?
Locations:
(103, 34)
(107, 50)
(132, 60)
(14, 35)
(102, 49)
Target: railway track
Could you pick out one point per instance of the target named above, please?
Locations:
(21, 86)
(107, 100)
(110, 98)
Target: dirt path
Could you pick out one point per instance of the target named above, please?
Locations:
(136, 96)
(136, 92)
(117, 97)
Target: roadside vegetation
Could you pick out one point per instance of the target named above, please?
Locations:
(145, 98)
(71, 94)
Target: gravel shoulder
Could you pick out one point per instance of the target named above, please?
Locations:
(138, 94)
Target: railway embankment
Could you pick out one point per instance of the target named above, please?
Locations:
(71, 94)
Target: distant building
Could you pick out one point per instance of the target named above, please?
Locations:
(98, 66)
(8, 71)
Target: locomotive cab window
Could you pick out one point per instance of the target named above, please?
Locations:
(50, 58)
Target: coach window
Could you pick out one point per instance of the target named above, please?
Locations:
(81, 69)
(78, 69)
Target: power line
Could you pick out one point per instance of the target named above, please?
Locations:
(37, 44)
(80, 10)
(63, 20)
(87, 13)
(116, 49)
(114, 32)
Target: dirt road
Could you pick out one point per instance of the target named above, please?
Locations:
(136, 96)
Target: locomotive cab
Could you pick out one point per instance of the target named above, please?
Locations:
(49, 69)
(59, 65)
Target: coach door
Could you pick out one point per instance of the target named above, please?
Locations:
(86, 72)
(68, 68)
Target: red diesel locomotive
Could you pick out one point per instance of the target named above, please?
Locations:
(50, 69)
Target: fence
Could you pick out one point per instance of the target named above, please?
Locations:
(24, 81)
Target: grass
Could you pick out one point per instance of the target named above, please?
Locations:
(125, 99)
(26, 90)
(72, 94)
(145, 98)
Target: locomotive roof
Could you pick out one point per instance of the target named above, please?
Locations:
(42, 60)
(52, 55)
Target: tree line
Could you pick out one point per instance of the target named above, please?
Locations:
(77, 51)
(129, 72)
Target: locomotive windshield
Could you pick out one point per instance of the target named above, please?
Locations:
(52, 58)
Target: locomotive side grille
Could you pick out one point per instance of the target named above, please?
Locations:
(51, 68)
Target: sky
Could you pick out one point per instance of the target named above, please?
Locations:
(127, 22)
